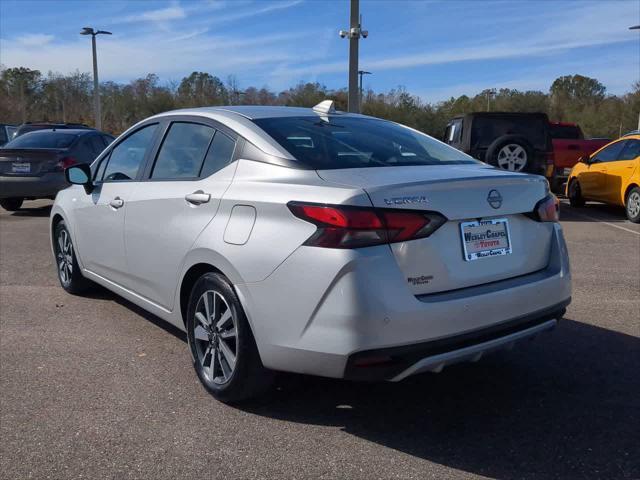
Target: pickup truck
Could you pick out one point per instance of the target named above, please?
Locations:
(569, 145)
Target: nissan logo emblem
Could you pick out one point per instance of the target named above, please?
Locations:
(495, 199)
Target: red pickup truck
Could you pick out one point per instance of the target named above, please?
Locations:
(569, 145)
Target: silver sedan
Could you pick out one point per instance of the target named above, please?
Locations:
(314, 241)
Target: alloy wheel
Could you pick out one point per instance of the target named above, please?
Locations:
(633, 204)
(512, 157)
(216, 337)
(64, 256)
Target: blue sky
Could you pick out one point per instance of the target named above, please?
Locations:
(434, 48)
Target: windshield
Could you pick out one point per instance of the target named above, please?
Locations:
(348, 142)
(42, 139)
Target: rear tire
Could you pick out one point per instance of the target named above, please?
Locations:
(69, 275)
(223, 349)
(575, 194)
(632, 205)
(11, 204)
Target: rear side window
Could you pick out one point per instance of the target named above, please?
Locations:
(219, 155)
(43, 139)
(631, 150)
(333, 142)
(183, 151)
(127, 157)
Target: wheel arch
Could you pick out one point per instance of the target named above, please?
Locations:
(628, 189)
(197, 263)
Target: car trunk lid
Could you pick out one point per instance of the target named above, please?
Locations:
(30, 162)
(462, 193)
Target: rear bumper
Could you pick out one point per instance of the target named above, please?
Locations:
(322, 309)
(45, 186)
(398, 363)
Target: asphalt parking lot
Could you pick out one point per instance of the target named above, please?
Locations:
(96, 388)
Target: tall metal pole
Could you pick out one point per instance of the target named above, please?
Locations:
(96, 88)
(354, 104)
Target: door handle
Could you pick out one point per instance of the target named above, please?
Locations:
(117, 203)
(198, 197)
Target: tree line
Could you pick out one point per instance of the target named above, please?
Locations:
(28, 95)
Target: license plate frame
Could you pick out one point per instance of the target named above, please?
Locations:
(484, 239)
(21, 167)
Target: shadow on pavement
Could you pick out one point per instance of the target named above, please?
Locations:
(566, 405)
(598, 212)
(40, 211)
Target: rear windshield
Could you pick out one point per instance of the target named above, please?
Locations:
(42, 139)
(348, 142)
(570, 132)
(485, 130)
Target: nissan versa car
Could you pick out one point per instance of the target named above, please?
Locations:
(313, 241)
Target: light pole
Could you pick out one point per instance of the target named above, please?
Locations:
(361, 73)
(96, 88)
(353, 34)
(636, 27)
(490, 92)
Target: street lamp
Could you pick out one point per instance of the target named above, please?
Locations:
(96, 90)
(353, 34)
(362, 73)
(490, 93)
(636, 27)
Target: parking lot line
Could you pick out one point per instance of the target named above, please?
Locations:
(594, 219)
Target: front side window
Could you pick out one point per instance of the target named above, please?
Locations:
(631, 150)
(348, 142)
(126, 158)
(182, 151)
(609, 153)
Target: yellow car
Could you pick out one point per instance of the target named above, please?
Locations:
(610, 175)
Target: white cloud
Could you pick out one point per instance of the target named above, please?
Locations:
(35, 39)
(160, 15)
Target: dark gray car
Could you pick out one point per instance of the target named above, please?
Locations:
(32, 165)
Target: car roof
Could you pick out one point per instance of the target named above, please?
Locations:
(254, 112)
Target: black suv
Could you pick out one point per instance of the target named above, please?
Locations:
(519, 142)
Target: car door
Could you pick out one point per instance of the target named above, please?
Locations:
(179, 197)
(100, 215)
(593, 179)
(619, 172)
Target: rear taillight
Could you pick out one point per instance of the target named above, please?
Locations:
(65, 162)
(547, 209)
(354, 227)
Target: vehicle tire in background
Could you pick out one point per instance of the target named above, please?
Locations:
(224, 352)
(11, 204)
(575, 194)
(632, 205)
(67, 266)
(510, 152)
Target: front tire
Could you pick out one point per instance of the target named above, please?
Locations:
(11, 204)
(632, 205)
(69, 275)
(574, 192)
(223, 349)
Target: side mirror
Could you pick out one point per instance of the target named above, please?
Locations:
(584, 159)
(80, 174)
